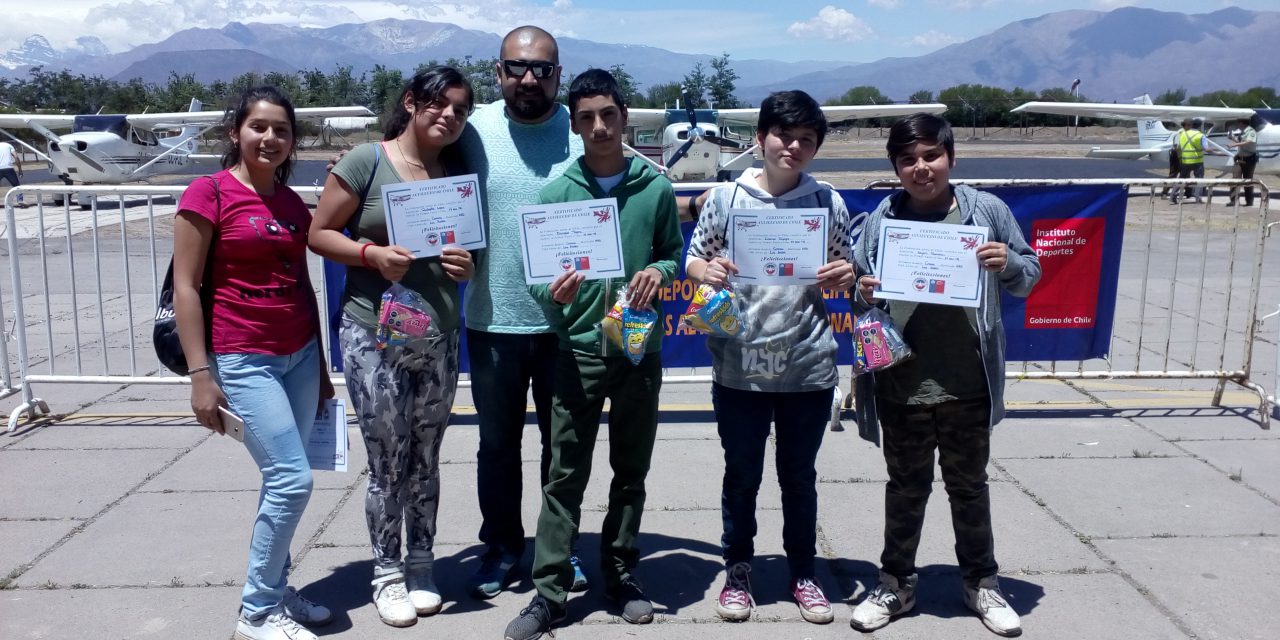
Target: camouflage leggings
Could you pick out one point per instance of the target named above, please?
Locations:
(959, 430)
(402, 397)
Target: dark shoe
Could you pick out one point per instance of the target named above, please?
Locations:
(579, 578)
(495, 573)
(534, 620)
(636, 607)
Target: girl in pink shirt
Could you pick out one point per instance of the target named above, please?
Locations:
(251, 339)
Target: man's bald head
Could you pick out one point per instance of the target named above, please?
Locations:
(527, 37)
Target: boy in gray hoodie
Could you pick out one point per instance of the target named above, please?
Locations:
(949, 395)
(781, 368)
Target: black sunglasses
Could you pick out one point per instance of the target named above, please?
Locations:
(540, 68)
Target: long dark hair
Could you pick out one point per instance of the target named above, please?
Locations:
(236, 116)
(426, 86)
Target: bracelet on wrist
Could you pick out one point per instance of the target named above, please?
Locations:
(364, 261)
(196, 370)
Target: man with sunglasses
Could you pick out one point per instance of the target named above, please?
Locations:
(517, 147)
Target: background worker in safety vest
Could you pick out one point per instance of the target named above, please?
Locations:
(1189, 143)
(1246, 146)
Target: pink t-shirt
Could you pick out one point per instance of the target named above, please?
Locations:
(261, 300)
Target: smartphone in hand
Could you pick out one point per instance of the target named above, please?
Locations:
(231, 424)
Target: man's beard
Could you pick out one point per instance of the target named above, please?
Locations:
(530, 104)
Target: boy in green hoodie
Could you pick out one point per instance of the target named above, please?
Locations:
(591, 368)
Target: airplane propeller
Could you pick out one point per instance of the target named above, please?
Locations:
(696, 133)
(69, 148)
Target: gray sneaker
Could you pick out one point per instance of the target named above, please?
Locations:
(988, 602)
(534, 620)
(636, 607)
(890, 599)
(304, 611)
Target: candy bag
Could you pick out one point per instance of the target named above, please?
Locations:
(629, 328)
(714, 311)
(403, 318)
(877, 343)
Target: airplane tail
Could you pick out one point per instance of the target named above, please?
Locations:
(1151, 132)
(191, 131)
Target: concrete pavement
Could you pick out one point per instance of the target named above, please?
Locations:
(1123, 509)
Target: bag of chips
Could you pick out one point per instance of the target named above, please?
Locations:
(878, 344)
(629, 328)
(403, 318)
(714, 311)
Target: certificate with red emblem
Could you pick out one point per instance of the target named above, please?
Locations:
(427, 215)
(777, 246)
(583, 236)
(930, 262)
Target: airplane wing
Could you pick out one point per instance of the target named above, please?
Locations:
(839, 113)
(647, 118)
(24, 121)
(1134, 111)
(161, 120)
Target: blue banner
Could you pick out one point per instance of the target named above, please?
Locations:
(1077, 231)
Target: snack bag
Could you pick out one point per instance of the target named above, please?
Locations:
(714, 311)
(403, 318)
(629, 328)
(877, 343)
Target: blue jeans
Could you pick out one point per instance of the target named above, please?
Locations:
(743, 419)
(276, 396)
(502, 367)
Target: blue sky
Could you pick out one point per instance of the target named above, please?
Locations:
(855, 31)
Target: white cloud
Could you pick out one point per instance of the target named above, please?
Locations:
(563, 5)
(933, 39)
(832, 23)
(883, 4)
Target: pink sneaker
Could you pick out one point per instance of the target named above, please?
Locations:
(814, 606)
(735, 598)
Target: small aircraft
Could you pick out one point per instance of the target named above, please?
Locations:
(716, 144)
(116, 148)
(1155, 140)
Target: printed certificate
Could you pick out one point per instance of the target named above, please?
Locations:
(930, 262)
(327, 446)
(580, 235)
(778, 246)
(426, 215)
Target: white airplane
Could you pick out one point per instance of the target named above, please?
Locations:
(704, 144)
(116, 148)
(1155, 141)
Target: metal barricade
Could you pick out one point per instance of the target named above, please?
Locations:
(87, 313)
(1190, 320)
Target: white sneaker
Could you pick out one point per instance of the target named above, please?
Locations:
(276, 625)
(392, 600)
(423, 592)
(989, 603)
(890, 599)
(304, 611)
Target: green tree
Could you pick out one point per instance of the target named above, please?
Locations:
(721, 84)
(695, 86)
(861, 95)
(922, 96)
(1172, 96)
(627, 86)
(664, 96)
(384, 90)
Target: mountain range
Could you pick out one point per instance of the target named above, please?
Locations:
(1115, 54)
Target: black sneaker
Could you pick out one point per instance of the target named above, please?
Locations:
(636, 607)
(534, 620)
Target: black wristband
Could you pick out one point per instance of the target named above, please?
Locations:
(693, 209)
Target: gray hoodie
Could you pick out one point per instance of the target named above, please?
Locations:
(980, 209)
(786, 343)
